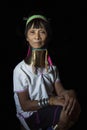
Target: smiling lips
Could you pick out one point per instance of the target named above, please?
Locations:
(37, 41)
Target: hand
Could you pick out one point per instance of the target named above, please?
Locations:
(56, 101)
(70, 101)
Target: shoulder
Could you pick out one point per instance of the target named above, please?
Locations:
(17, 68)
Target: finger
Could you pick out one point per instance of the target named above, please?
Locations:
(69, 106)
(66, 103)
(72, 108)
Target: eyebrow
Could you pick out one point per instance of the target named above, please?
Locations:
(37, 29)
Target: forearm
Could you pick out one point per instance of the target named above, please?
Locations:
(30, 105)
(35, 104)
(56, 100)
(70, 92)
(59, 88)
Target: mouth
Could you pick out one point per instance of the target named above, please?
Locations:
(37, 41)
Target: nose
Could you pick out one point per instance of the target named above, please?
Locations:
(37, 35)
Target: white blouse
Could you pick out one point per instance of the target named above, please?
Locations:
(40, 85)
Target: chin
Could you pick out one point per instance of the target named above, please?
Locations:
(37, 47)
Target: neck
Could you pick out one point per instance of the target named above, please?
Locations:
(37, 58)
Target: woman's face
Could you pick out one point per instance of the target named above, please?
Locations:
(36, 37)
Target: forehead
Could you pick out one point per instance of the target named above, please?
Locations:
(35, 27)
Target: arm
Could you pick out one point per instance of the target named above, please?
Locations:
(20, 84)
(31, 105)
(59, 89)
(59, 99)
(69, 97)
(26, 103)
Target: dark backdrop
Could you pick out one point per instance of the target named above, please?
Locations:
(67, 48)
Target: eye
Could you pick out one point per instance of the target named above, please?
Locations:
(43, 32)
(32, 32)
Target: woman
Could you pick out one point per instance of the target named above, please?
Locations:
(40, 98)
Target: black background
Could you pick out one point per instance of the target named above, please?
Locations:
(67, 48)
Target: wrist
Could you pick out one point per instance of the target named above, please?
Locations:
(43, 102)
(51, 101)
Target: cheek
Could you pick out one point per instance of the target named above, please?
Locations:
(44, 39)
(28, 39)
